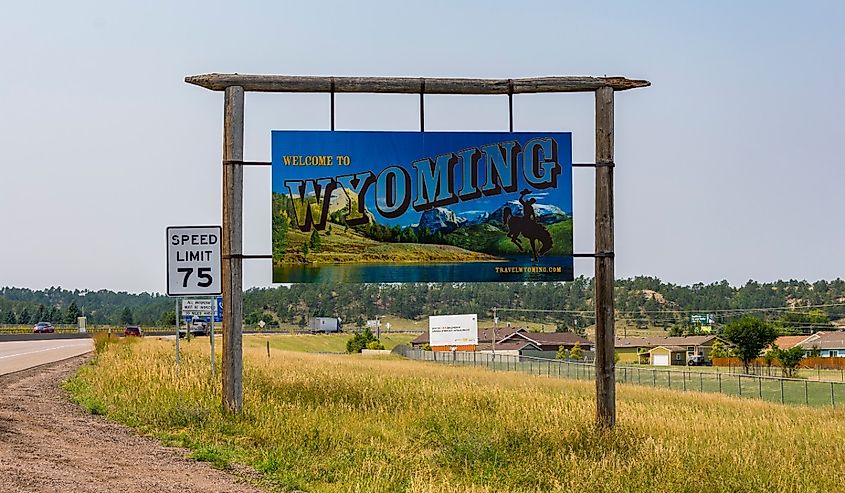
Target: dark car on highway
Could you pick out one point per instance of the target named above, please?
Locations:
(132, 331)
(43, 327)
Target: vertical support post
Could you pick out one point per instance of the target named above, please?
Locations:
(233, 150)
(605, 330)
(832, 397)
(178, 302)
(211, 314)
(495, 326)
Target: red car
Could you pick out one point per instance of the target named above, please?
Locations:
(43, 327)
(132, 331)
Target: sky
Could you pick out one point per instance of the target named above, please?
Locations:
(729, 166)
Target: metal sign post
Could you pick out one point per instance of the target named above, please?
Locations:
(211, 315)
(234, 86)
(193, 268)
(178, 324)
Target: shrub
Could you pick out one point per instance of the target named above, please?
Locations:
(561, 353)
(789, 359)
(375, 345)
(360, 341)
(101, 342)
(577, 353)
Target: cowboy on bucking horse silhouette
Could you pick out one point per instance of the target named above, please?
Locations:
(528, 226)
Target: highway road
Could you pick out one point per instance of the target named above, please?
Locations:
(20, 355)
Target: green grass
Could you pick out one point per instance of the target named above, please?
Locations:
(332, 423)
(795, 392)
(490, 239)
(351, 247)
(318, 343)
(811, 374)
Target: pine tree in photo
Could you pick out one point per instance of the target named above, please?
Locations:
(314, 241)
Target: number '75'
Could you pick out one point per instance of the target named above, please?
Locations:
(202, 273)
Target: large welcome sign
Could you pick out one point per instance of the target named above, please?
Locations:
(421, 207)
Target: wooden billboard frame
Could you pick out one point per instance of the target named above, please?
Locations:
(235, 85)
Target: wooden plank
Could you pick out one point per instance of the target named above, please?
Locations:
(410, 85)
(233, 150)
(605, 337)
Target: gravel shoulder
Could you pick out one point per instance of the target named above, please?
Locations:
(48, 444)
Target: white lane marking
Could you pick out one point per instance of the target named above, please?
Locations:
(42, 350)
(43, 341)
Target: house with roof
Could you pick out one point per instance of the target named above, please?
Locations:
(666, 355)
(484, 336)
(511, 348)
(551, 341)
(789, 342)
(677, 349)
(826, 344)
(518, 340)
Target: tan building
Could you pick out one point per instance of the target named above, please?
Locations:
(639, 349)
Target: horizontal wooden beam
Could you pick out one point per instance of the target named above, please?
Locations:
(410, 85)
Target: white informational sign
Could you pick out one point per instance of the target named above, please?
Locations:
(453, 330)
(193, 261)
(373, 324)
(201, 308)
(196, 307)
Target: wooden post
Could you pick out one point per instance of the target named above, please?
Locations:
(234, 86)
(605, 330)
(233, 150)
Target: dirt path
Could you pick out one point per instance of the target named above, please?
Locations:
(47, 444)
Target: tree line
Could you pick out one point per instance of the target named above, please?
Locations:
(645, 301)
(62, 306)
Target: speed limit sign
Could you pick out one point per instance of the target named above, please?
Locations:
(193, 260)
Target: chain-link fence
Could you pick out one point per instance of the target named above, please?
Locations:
(774, 389)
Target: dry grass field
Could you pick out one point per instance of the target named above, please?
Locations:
(332, 423)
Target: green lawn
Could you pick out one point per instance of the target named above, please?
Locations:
(802, 373)
(317, 343)
(795, 391)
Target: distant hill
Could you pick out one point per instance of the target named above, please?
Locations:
(345, 245)
(637, 301)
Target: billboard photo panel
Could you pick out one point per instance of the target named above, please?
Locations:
(453, 330)
(421, 207)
